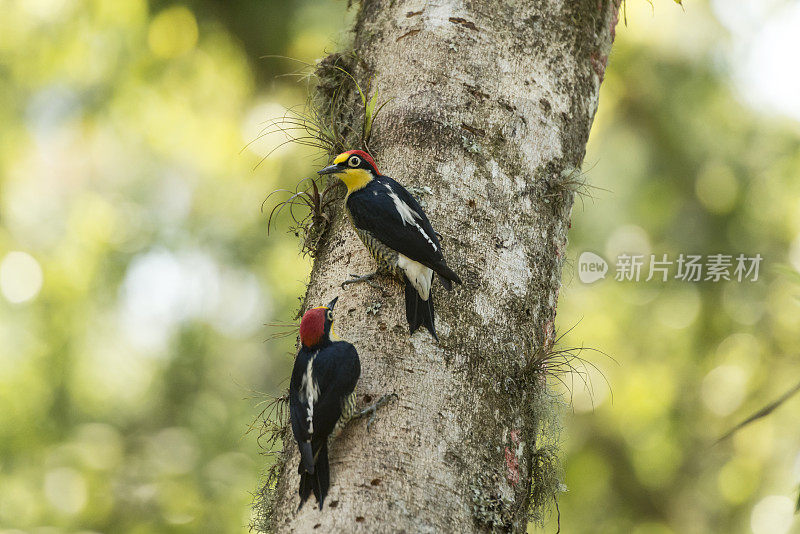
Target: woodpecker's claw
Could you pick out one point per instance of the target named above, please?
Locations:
(365, 278)
(372, 409)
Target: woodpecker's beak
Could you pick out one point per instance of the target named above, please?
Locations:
(332, 303)
(332, 169)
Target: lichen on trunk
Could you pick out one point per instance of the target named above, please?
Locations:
(489, 109)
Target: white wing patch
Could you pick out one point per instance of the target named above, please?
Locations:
(409, 216)
(420, 276)
(309, 392)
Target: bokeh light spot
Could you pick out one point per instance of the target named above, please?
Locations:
(716, 188)
(173, 451)
(46, 9)
(678, 309)
(743, 302)
(655, 458)
(173, 32)
(772, 515)
(630, 239)
(589, 389)
(100, 445)
(65, 488)
(762, 73)
(742, 349)
(262, 135)
(20, 277)
(724, 388)
(794, 253)
(737, 480)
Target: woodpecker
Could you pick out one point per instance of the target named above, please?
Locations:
(397, 233)
(321, 397)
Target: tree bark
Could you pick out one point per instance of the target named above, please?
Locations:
(490, 106)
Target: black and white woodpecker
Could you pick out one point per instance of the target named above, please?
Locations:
(396, 231)
(321, 397)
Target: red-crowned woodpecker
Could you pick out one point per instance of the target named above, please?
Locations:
(396, 231)
(321, 397)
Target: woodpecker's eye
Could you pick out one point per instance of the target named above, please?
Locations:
(354, 161)
(330, 315)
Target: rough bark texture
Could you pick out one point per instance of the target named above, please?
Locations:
(490, 110)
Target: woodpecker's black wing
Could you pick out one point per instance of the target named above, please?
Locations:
(334, 372)
(298, 409)
(392, 215)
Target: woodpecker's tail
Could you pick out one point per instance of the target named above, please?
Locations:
(446, 275)
(319, 481)
(419, 312)
(306, 458)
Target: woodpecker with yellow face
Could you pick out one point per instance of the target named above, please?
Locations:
(321, 397)
(398, 234)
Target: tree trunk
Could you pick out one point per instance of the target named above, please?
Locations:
(490, 105)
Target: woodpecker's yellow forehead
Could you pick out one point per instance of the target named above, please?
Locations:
(341, 158)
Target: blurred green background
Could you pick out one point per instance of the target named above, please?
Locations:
(137, 280)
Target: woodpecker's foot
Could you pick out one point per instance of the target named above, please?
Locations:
(355, 279)
(372, 409)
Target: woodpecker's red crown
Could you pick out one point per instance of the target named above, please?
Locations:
(315, 326)
(312, 327)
